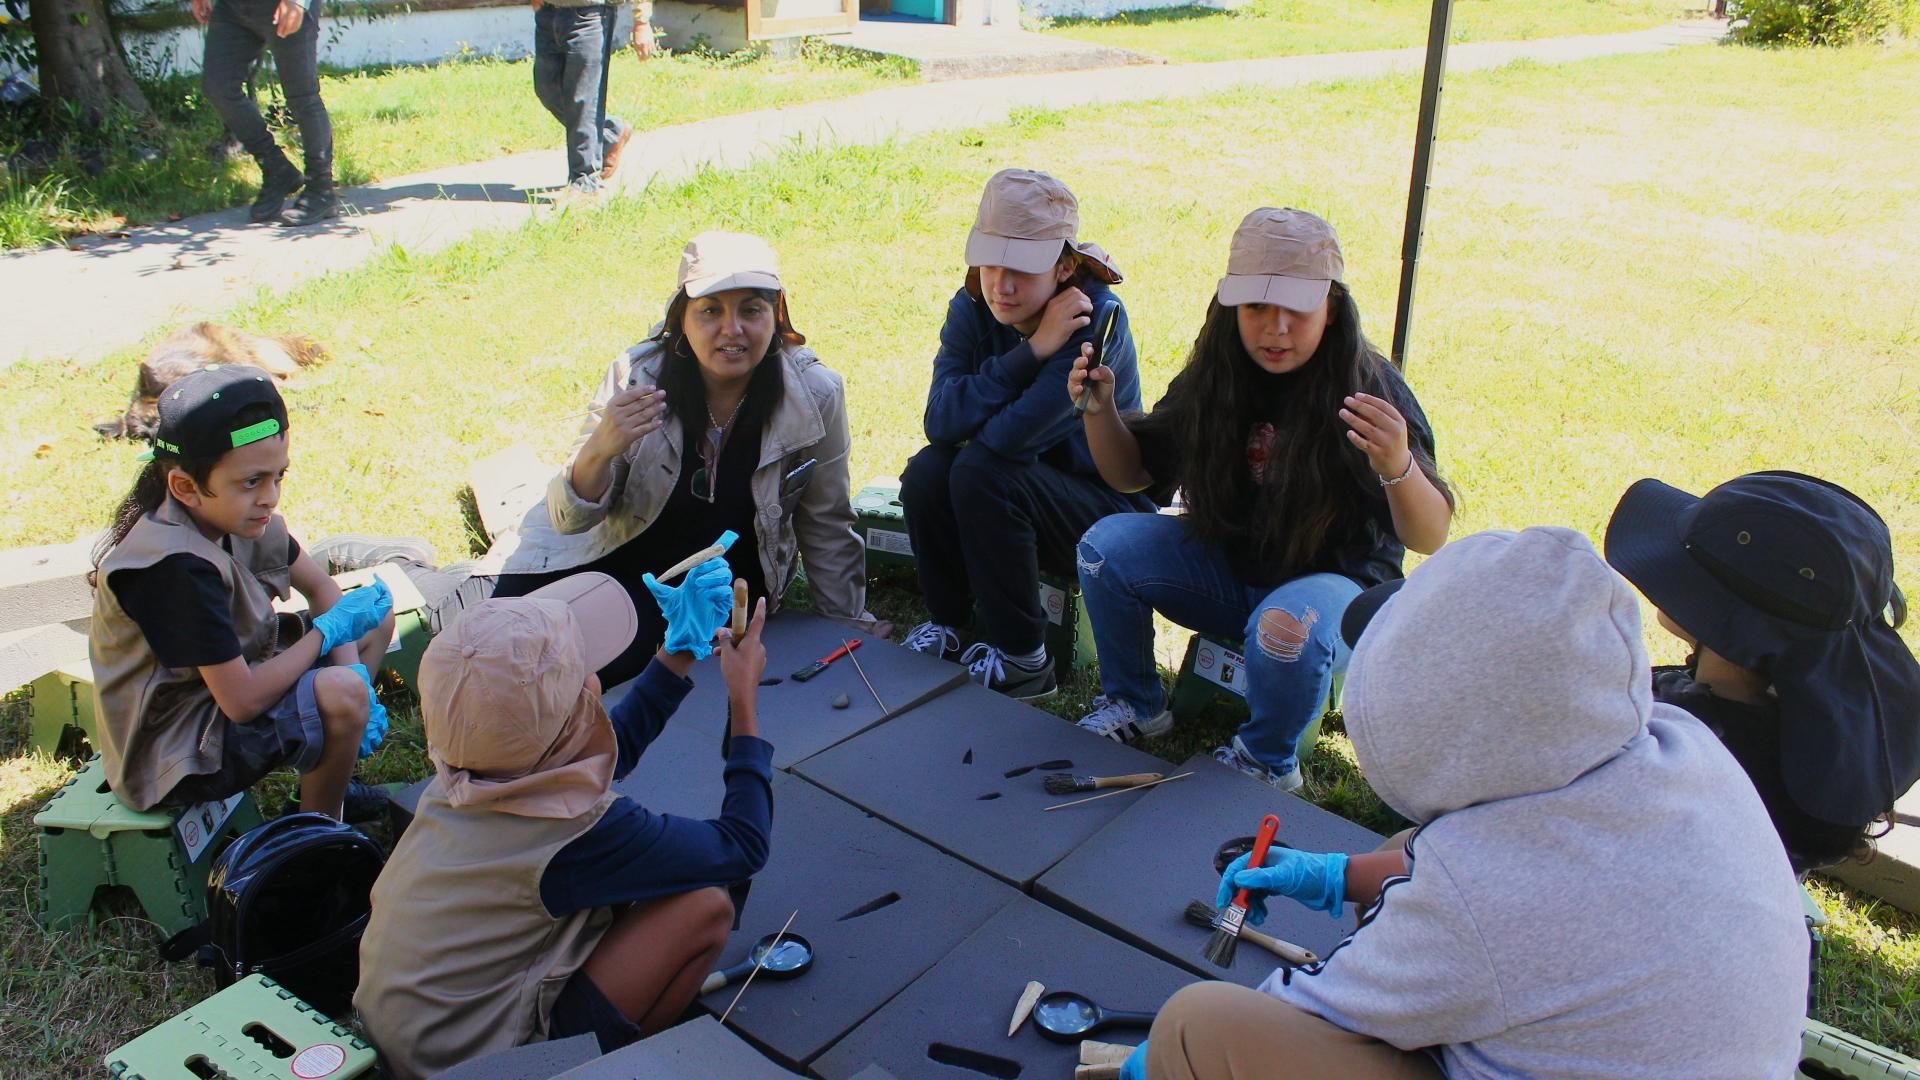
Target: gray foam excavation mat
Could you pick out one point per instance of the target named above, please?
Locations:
(1136, 876)
(952, 1022)
(964, 773)
(699, 1049)
(402, 804)
(798, 718)
(534, 1061)
(877, 906)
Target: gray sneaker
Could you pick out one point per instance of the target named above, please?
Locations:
(1114, 719)
(932, 639)
(1235, 756)
(990, 668)
(342, 552)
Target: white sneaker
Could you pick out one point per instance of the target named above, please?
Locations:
(1114, 719)
(933, 639)
(1235, 756)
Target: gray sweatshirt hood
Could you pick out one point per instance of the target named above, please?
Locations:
(1511, 664)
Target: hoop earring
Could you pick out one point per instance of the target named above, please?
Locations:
(680, 347)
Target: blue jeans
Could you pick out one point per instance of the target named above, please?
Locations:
(1132, 565)
(572, 49)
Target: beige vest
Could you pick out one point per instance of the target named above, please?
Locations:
(159, 725)
(460, 957)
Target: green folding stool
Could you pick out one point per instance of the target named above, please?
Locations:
(254, 1028)
(89, 838)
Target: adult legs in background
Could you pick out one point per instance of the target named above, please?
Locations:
(236, 33)
(572, 47)
(1218, 1031)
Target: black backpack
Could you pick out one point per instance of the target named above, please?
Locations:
(289, 900)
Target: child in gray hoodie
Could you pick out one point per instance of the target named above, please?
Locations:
(1593, 890)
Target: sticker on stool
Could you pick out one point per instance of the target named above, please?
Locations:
(319, 1061)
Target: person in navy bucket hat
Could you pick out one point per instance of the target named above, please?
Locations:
(1783, 586)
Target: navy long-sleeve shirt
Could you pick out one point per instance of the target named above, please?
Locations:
(634, 854)
(989, 387)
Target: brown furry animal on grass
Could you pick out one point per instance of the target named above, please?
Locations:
(193, 348)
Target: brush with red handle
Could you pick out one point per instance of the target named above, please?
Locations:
(1226, 925)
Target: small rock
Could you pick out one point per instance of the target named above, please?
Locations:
(841, 701)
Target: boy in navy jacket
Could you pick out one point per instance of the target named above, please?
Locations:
(1006, 485)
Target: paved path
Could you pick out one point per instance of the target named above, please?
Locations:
(105, 294)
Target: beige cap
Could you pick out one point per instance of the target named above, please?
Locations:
(1285, 257)
(501, 686)
(1024, 221)
(717, 261)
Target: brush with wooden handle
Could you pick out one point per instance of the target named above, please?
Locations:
(1201, 913)
(1227, 922)
(1067, 783)
(739, 608)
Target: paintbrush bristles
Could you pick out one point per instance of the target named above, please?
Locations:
(1066, 783)
(1226, 936)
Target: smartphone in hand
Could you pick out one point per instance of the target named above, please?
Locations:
(1106, 322)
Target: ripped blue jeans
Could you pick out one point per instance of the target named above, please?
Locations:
(1132, 565)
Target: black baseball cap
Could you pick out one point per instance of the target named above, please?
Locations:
(1791, 575)
(199, 413)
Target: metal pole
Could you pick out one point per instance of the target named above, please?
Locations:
(1438, 31)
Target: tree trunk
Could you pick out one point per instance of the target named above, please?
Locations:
(81, 61)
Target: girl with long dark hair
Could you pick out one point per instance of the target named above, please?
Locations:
(721, 420)
(1308, 469)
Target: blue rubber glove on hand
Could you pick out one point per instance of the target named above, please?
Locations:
(699, 607)
(376, 732)
(354, 616)
(1135, 1067)
(1315, 880)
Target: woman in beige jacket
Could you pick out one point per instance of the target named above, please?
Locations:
(721, 421)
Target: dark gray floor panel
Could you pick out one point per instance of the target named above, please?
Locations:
(952, 1022)
(878, 906)
(699, 1049)
(535, 1061)
(939, 772)
(1134, 878)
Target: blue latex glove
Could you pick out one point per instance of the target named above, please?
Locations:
(1135, 1067)
(376, 732)
(354, 616)
(700, 606)
(1315, 880)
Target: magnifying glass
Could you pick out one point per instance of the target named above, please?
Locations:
(1065, 1016)
(789, 960)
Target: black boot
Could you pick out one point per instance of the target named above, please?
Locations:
(278, 179)
(318, 203)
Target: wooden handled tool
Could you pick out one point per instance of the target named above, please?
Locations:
(1067, 783)
(1200, 913)
(739, 608)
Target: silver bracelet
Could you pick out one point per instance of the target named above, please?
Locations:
(1384, 482)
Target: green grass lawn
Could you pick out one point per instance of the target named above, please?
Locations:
(1686, 265)
(390, 122)
(1189, 34)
